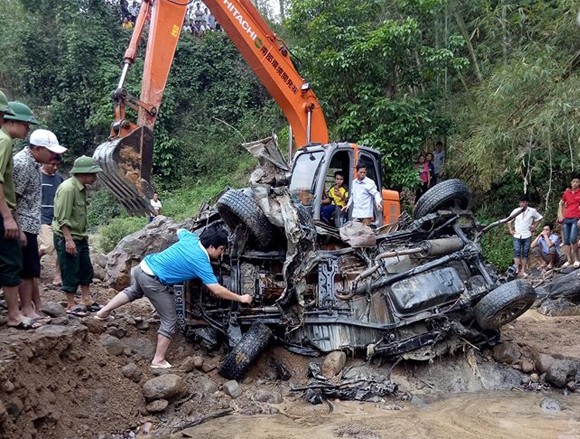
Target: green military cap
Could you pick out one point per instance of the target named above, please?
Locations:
(4, 107)
(21, 113)
(85, 165)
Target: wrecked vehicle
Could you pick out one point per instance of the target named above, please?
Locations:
(409, 288)
(412, 290)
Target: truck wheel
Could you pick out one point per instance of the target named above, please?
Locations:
(246, 352)
(504, 304)
(445, 195)
(236, 208)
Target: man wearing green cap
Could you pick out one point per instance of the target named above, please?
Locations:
(15, 119)
(70, 235)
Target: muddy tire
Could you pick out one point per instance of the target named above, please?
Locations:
(504, 304)
(448, 194)
(241, 357)
(236, 208)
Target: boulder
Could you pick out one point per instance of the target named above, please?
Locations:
(232, 389)
(132, 371)
(561, 372)
(527, 366)
(157, 406)
(206, 384)
(53, 309)
(112, 344)
(543, 362)
(506, 353)
(333, 364)
(155, 237)
(140, 345)
(167, 386)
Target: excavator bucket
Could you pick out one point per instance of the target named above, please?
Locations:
(126, 164)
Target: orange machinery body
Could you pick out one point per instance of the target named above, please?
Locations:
(262, 50)
(128, 155)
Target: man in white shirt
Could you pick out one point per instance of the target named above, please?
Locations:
(363, 193)
(525, 225)
(156, 205)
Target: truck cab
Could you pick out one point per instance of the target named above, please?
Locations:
(313, 173)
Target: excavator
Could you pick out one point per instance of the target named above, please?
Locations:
(126, 157)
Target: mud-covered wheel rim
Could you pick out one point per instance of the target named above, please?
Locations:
(510, 313)
(504, 304)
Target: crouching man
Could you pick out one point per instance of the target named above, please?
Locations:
(188, 258)
(548, 247)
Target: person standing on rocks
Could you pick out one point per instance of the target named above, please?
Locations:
(16, 120)
(42, 149)
(51, 180)
(521, 228)
(71, 238)
(569, 216)
(189, 258)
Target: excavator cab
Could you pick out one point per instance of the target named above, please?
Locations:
(313, 172)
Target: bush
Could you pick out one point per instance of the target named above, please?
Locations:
(117, 229)
(498, 248)
(103, 207)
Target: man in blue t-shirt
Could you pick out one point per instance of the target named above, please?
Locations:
(188, 258)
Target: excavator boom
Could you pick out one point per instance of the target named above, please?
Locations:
(127, 156)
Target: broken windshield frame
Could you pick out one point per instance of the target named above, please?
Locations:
(304, 175)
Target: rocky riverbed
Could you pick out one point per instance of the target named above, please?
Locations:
(82, 378)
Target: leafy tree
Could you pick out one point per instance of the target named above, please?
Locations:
(388, 67)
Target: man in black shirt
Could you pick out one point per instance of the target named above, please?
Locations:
(51, 180)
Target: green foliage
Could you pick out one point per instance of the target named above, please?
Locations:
(498, 248)
(117, 229)
(102, 208)
(389, 70)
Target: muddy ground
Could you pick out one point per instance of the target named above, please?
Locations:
(80, 378)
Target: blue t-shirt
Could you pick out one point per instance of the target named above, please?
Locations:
(184, 260)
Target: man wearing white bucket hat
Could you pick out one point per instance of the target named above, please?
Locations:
(42, 149)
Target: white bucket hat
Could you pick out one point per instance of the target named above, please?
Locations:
(46, 139)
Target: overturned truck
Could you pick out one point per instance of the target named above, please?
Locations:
(415, 289)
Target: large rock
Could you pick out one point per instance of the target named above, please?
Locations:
(561, 372)
(168, 386)
(232, 389)
(112, 344)
(157, 406)
(132, 371)
(53, 309)
(333, 364)
(543, 362)
(506, 353)
(153, 238)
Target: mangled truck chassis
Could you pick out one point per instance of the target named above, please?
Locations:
(418, 292)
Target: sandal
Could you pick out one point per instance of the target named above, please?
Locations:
(164, 365)
(26, 324)
(93, 307)
(77, 311)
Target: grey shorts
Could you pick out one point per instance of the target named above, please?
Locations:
(160, 296)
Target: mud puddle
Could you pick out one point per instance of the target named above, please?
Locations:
(484, 415)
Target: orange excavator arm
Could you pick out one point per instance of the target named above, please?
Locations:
(269, 58)
(127, 156)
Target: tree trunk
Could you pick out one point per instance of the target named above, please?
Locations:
(465, 33)
(282, 9)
